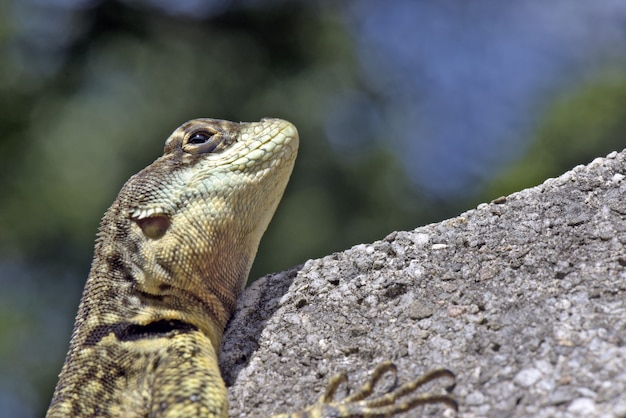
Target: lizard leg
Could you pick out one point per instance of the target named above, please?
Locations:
(187, 382)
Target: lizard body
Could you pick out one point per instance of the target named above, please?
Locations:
(173, 253)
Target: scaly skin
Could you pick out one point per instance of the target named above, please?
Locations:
(172, 255)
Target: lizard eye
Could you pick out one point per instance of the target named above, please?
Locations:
(199, 138)
(201, 142)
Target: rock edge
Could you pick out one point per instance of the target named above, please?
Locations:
(524, 298)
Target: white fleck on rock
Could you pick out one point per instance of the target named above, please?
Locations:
(420, 239)
(475, 398)
(527, 377)
(582, 407)
(563, 304)
(415, 269)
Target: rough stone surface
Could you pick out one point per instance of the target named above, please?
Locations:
(523, 298)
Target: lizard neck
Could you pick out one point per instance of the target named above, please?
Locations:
(137, 282)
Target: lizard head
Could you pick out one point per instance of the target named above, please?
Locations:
(197, 214)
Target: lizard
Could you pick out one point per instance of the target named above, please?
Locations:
(171, 256)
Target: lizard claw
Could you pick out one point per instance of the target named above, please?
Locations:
(396, 400)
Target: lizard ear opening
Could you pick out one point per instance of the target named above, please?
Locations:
(154, 227)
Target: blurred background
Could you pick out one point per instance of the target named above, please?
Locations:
(409, 112)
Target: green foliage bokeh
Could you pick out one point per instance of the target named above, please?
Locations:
(78, 121)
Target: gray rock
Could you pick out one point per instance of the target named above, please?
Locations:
(523, 298)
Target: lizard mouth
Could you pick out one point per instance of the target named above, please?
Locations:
(164, 320)
(158, 329)
(127, 331)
